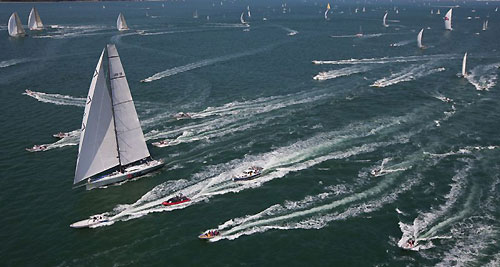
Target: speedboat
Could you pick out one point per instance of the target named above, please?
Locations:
(292, 33)
(410, 244)
(249, 174)
(162, 143)
(176, 200)
(209, 234)
(60, 135)
(37, 148)
(91, 221)
(29, 92)
(182, 115)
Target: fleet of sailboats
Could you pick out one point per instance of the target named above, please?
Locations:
(34, 21)
(112, 146)
(15, 26)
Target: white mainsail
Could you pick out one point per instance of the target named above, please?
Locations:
(131, 143)
(464, 63)
(34, 21)
(447, 20)
(384, 20)
(121, 24)
(438, 12)
(15, 27)
(248, 12)
(432, 11)
(195, 14)
(419, 38)
(98, 150)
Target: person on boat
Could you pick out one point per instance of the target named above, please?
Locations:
(411, 243)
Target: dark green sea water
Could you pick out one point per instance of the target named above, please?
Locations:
(254, 102)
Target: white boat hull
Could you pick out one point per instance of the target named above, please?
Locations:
(130, 173)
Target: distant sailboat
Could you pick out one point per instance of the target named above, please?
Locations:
(364, 9)
(419, 39)
(121, 24)
(384, 20)
(195, 14)
(464, 65)
(432, 11)
(397, 11)
(248, 12)
(15, 26)
(360, 34)
(438, 12)
(447, 20)
(485, 25)
(327, 10)
(112, 146)
(34, 21)
(242, 20)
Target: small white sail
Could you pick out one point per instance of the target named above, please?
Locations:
(484, 25)
(131, 142)
(364, 9)
(241, 18)
(447, 20)
(15, 26)
(327, 10)
(438, 12)
(432, 11)
(464, 63)
(98, 150)
(34, 21)
(121, 24)
(248, 12)
(195, 14)
(419, 39)
(397, 11)
(384, 20)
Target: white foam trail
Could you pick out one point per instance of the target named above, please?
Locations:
(72, 139)
(216, 180)
(70, 31)
(427, 225)
(484, 77)
(204, 63)
(12, 62)
(408, 74)
(279, 216)
(402, 43)
(57, 99)
(386, 60)
(364, 36)
(332, 74)
(462, 151)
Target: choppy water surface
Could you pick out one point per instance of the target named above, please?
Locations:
(318, 130)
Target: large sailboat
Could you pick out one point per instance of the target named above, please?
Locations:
(447, 20)
(15, 26)
(34, 21)
(121, 24)
(112, 146)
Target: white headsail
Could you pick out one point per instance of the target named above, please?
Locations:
(34, 20)
(241, 18)
(248, 12)
(447, 20)
(464, 63)
(384, 20)
(131, 143)
(121, 24)
(15, 26)
(419, 39)
(327, 10)
(98, 150)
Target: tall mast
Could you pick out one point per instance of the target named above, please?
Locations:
(120, 167)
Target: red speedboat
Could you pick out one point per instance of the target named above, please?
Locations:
(176, 200)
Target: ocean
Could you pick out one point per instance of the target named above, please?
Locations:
(319, 131)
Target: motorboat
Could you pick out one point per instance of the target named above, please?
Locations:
(249, 174)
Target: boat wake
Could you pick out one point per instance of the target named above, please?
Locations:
(427, 226)
(402, 43)
(204, 63)
(12, 62)
(217, 180)
(408, 74)
(332, 74)
(484, 77)
(306, 214)
(60, 32)
(56, 99)
(386, 60)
